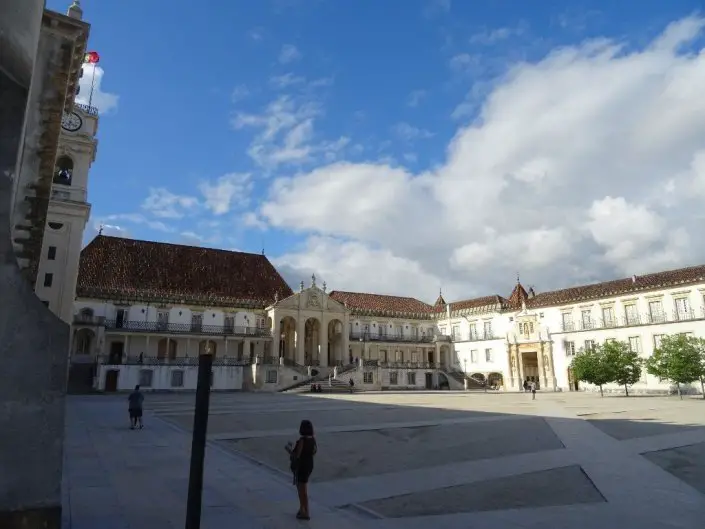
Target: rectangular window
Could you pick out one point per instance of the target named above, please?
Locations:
(473, 356)
(177, 379)
(399, 356)
(610, 340)
(146, 376)
(51, 253)
(631, 315)
(589, 345)
(196, 322)
(657, 340)
(570, 348)
(398, 331)
(473, 331)
(48, 279)
(162, 320)
(487, 329)
(682, 308)
(586, 318)
(229, 324)
(414, 357)
(567, 318)
(380, 330)
(271, 376)
(455, 332)
(393, 378)
(608, 316)
(411, 379)
(367, 377)
(383, 356)
(656, 314)
(442, 331)
(488, 355)
(635, 344)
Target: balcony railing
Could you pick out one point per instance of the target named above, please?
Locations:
(372, 337)
(187, 328)
(90, 110)
(408, 365)
(632, 320)
(474, 337)
(179, 361)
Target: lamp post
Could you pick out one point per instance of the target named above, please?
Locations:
(198, 442)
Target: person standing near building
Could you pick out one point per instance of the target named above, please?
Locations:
(135, 400)
(301, 462)
(532, 385)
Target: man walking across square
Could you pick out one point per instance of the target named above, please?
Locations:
(135, 401)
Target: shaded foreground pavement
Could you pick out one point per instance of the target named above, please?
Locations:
(117, 478)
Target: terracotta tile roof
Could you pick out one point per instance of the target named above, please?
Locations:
(480, 305)
(668, 279)
(518, 296)
(377, 304)
(113, 267)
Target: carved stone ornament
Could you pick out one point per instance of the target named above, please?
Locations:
(313, 300)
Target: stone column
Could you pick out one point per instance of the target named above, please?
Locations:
(246, 349)
(276, 332)
(299, 354)
(547, 351)
(539, 359)
(323, 344)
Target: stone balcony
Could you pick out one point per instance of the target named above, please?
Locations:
(157, 327)
(389, 338)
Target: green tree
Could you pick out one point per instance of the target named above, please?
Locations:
(679, 359)
(589, 366)
(623, 363)
(700, 346)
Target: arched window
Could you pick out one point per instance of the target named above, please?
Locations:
(63, 172)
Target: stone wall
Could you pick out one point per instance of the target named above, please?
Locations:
(32, 341)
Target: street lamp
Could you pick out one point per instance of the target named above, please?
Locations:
(198, 442)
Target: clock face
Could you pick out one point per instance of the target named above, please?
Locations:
(71, 122)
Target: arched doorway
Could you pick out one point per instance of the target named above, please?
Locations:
(287, 337)
(495, 380)
(312, 335)
(83, 344)
(111, 380)
(335, 342)
(166, 348)
(573, 383)
(207, 347)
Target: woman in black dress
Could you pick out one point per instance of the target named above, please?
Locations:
(302, 465)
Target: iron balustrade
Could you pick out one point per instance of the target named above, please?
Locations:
(371, 337)
(90, 110)
(406, 365)
(632, 320)
(179, 361)
(476, 337)
(187, 328)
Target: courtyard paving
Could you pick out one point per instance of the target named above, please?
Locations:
(389, 460)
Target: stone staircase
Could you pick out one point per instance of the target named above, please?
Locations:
(335, 385)
(461, 376)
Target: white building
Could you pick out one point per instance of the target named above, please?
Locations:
(145, 310)
(68, 211)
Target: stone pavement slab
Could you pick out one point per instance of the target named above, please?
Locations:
(119, 478)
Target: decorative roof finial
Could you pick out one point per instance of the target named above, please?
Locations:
(518, 278)
(324, 286)
(301, 286)
(276, 296)
(100, 230)
(313, 280)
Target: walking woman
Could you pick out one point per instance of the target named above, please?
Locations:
(302, 465)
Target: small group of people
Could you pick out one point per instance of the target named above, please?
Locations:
(134, 408)
(316, 388)
(530, 385)
(301, 464)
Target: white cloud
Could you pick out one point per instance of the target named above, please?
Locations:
(409, 133)
(286, 80)
(230, 189)
(585, 165)
(166, 205)
(488, 37)
(415, 98)
(240, 92)
(286, 133)
(289, 53)
(137, 218)
(256, 34)
(91, 92)
(462, 62)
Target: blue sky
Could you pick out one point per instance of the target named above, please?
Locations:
(302, 126)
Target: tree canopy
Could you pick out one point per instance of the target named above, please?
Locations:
(589, 366)
(680, 359)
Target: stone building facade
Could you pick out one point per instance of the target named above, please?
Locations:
(145, 303)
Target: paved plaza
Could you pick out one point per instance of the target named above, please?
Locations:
(388, 460)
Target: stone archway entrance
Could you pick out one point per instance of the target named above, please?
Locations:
(287, 338)
(84, 342)
(312, 333)
(530, 367)
(335, 342)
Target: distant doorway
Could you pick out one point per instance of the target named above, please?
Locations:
(530, 367)
(429, 380)
(117, 349)
(430, 357)
(111, 380)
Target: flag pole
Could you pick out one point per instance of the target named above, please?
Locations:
(90, 97)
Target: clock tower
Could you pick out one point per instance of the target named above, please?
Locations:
(68, 211)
